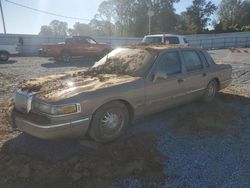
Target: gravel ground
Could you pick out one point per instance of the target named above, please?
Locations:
(194, 145)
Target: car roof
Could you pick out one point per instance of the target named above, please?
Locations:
(159, 47)
(166, 35)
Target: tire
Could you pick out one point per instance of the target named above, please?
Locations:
(4, 56)
(211, 91)
(109, 122)
(66, 56)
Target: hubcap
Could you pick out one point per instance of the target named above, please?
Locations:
(111, 123)
(210, 90)
(110, 120)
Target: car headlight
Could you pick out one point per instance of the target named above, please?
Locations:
(56, 109)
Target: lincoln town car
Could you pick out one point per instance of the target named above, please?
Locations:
(126, 84)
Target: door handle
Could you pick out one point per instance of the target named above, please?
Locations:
(204, 74)
(180, 80)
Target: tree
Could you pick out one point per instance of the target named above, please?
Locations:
(45, 31)
(245, 13)
(59, 28)
(101, 28)
(165, 19)
(130, 16)
(55, 28)
(80, 29)
(181, 26)
(234, 15)
(199, 15)
(229, 13)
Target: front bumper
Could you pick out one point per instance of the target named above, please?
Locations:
(71, 129)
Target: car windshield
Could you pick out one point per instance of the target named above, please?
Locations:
(151, 40)
(125, 61)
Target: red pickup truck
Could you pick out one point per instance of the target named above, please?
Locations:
(76, 46)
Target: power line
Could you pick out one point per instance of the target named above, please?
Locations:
(46, 12)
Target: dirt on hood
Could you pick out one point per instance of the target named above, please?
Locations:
(56, 87)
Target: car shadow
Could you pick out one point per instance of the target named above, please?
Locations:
(223, 116)
(8, 62)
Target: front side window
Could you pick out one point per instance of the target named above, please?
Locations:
(171, 40)
(192, 61)
(170, 63)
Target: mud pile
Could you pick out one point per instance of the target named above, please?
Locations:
(135, 157)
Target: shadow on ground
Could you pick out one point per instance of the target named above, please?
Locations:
(220, 117)
(8, 62)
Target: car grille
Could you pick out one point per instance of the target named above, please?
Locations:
(23, 102)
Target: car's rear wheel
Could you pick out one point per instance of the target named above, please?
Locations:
(211, 91)
(4, 56)
(66, 56)
(109, 122)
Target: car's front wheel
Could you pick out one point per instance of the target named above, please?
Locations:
(210, 91)
(4, 56)
(109, 122)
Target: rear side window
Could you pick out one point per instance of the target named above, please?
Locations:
(208, 57)
(170, 63)
(185, 40)
(171, 40)
(203, 57)
(192, 61)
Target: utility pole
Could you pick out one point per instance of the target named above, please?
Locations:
(150, 14)
(1, 8)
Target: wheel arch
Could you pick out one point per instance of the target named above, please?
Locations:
(128, 105)
(4, 51)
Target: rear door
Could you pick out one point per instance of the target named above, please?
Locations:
(195, 74)
(79, 46)
(162, 93)
(94, 48)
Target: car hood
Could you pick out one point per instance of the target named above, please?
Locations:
(58, 87)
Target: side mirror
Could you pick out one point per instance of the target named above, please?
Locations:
(159, 75)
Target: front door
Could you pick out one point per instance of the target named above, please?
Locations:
(164, 92)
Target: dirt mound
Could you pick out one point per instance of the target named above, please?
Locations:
(134, 157)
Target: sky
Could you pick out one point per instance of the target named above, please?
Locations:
(24, 21)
